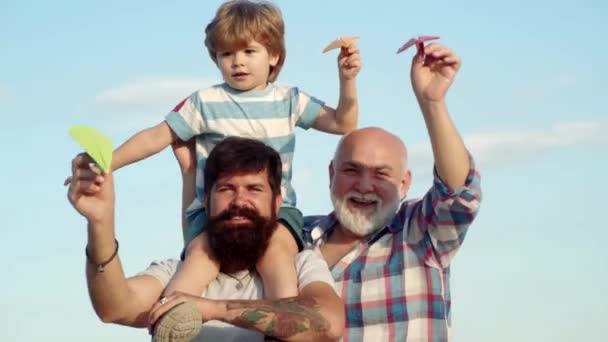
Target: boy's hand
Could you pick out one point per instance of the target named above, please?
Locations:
(433, 74)
(90, 192)
(349, 62)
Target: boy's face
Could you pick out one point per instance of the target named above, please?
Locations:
(246, 69)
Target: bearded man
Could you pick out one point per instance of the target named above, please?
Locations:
(389, 255)
(243, 179)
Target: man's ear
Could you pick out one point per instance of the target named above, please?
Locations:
(405, 183)
(278, 202)
(331, 172)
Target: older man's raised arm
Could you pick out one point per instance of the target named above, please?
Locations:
(448, 209)
(432, 73)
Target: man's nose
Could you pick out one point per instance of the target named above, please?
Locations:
(365, 184)
(239, 199)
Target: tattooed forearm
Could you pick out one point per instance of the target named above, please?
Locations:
(282, 318)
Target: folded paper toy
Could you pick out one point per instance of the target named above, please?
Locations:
(341, 42)
(419, 42)
(95, 144)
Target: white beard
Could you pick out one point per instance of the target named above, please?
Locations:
(359, 223)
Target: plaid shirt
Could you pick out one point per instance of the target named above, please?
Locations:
(395, 283)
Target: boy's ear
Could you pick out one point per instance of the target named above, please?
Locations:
(274, 59)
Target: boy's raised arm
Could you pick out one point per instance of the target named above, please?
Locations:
(344, 118)
(143, 144)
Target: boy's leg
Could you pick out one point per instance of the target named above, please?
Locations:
(188, 194)
(196, 271)
(277, 267)
(186, 159)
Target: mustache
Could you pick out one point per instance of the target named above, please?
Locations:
(363, 196)
(248, 213)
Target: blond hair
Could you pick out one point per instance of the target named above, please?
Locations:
(238, 22)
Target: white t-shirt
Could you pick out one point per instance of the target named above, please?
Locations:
(310, 267)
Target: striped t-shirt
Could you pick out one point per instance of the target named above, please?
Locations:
(269, 115)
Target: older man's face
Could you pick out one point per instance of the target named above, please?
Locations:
(367, 182)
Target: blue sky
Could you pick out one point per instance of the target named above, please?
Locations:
(529, 101)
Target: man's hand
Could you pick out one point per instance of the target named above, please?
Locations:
(90, 192)
(433, 74)
(205, 307)
(349, 62)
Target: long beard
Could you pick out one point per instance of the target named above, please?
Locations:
(359, 223)
(239, 246)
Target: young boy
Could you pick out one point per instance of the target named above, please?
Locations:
(245, 41)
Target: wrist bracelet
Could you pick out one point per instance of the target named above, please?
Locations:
(101, 267)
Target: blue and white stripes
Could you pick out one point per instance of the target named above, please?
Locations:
(269, 115)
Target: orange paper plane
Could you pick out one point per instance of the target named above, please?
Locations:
(341, 43)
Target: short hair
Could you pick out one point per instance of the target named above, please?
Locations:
(238, 22)
(237, 156)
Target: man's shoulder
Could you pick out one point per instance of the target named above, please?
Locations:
(162, 270)
(311, 267)
(307, 255)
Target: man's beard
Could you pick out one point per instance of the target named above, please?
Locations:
(239, 246)
(359, 223)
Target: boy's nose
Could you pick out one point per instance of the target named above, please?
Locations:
(237, 59)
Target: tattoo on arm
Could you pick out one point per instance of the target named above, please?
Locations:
(282, 318)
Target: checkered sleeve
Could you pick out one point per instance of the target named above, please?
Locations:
(442, 217)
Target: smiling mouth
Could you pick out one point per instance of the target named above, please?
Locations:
(361, 203)
(237, 219)
(239, 74)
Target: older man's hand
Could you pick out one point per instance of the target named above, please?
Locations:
(433, 74)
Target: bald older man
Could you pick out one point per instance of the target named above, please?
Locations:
(390, 256)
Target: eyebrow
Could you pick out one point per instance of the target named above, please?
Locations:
(361, 165)
(253, 184)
